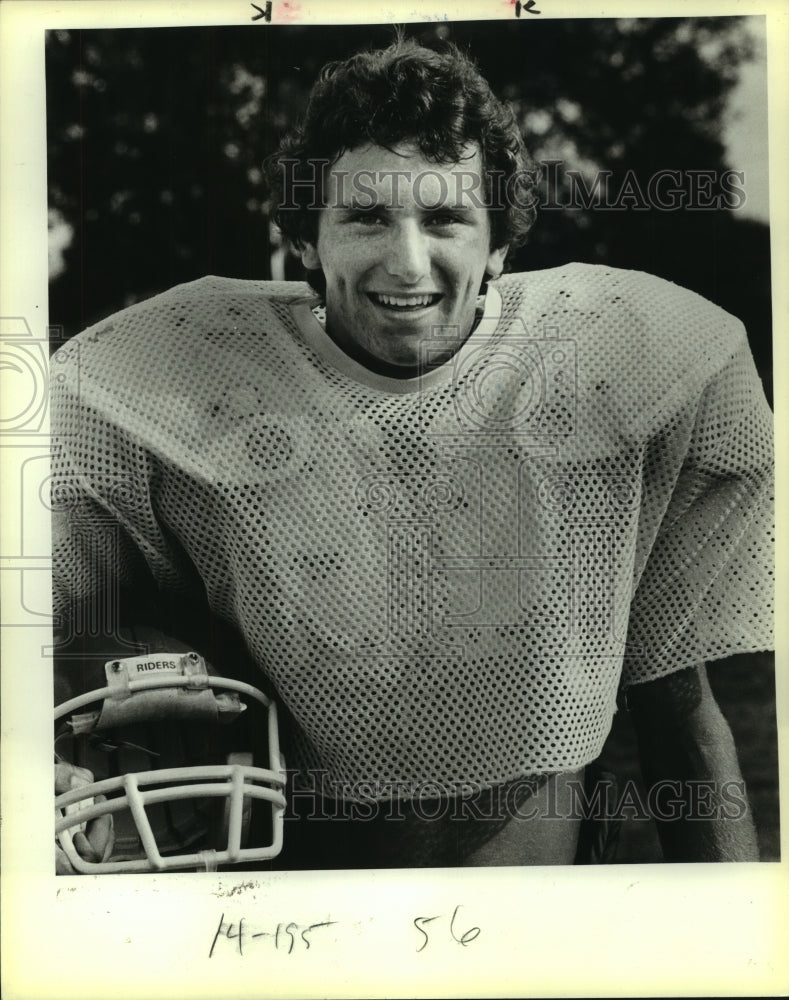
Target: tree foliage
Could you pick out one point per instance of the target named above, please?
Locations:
(156, 138)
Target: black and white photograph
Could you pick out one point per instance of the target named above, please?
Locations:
(391, 433)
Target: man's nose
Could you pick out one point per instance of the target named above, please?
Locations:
(408, 257)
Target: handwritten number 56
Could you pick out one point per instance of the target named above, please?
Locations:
(465, 938)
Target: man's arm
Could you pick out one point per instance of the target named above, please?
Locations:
(685, 741)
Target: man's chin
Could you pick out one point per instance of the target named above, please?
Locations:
(421, 349)
(401, 363)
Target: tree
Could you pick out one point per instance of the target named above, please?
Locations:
(156, 139)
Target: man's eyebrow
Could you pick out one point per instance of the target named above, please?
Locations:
(449, 206)
(363, 204)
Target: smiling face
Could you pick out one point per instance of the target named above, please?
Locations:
(404, 245)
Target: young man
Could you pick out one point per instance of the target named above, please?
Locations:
(449, 515)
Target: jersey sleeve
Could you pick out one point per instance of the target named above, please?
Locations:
(139, 406)
(95, 560)
(706, 590)
(109, 550)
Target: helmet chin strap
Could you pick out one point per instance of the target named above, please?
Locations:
(209, 861)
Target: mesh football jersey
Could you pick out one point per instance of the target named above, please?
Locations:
(444, 578)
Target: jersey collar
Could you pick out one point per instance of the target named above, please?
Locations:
(321, 343)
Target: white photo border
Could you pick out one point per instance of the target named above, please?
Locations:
(616, 930)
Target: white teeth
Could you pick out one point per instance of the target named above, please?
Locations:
(404, 300)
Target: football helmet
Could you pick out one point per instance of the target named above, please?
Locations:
(174, 751)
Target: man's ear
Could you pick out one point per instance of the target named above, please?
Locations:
(309, 257)
(496, 260)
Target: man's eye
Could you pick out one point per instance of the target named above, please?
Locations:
(442, 219)
(366, 218)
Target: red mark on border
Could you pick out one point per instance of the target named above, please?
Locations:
(287, 12)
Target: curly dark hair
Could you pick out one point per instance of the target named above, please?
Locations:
(406, 92)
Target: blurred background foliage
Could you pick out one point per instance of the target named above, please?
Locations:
(156, 137)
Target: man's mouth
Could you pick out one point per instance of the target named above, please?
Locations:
(404, 302)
